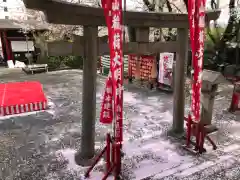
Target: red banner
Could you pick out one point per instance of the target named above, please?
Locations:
(117, 66)
(196, 13)
(106, 114)
(113, 14)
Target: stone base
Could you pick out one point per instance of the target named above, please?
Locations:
(83, 161)
(178, 135)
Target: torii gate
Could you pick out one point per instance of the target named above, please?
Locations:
(91, 47)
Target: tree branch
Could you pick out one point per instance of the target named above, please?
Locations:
(213, 4)
(178, 9)
(151, 7)
(169, 29)
(186, 4)
(228, 35)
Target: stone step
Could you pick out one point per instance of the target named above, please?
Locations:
(202, 171)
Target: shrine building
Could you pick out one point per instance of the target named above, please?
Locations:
(16, 39)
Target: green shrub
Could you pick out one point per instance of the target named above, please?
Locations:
(75, 62)
(54, 62)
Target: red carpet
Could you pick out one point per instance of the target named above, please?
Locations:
(21, 97)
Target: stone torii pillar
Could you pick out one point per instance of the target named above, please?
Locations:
(87, 149)
(179, 81)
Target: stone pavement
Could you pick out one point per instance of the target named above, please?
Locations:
(41, 146)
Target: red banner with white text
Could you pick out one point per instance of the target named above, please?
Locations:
(117, 66)
(106, 114)
(196, 13)
(113, 14)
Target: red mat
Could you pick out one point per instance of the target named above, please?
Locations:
(21, 97)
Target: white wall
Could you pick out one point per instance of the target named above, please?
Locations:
(22, 46)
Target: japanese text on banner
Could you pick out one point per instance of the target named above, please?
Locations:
(197, 24)
(117, 66)
(106, 114)
(113, 14)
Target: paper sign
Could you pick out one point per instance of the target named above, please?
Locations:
(165, 68)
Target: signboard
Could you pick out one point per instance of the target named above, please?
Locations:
(22, 46)
(146, 64)
(165, 68)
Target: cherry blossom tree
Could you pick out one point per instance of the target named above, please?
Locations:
(219, 39)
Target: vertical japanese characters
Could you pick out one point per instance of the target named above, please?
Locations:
(106, 114)
(114, 85)
(165, 68)
(117, 66)
(146, 66)
(197, 25)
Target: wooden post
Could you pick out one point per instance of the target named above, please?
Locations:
(142, 35)
(179, 82)
(89, 94)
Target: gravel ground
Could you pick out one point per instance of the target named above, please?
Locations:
(41, 146)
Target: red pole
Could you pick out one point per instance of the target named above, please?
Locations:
(234, 102)
(117, 161)
(6, 45)
(2, 39)
(100, 65)
(108, 152)
(113, 152)
(202, 137)
(189, 124)
(130, 67)
(238, 101)
(197, 135)
(108, 173)
(86, 175)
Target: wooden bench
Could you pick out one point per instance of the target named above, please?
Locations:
(35, 68)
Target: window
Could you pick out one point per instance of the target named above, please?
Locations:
(5, 9)
(6, 17)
